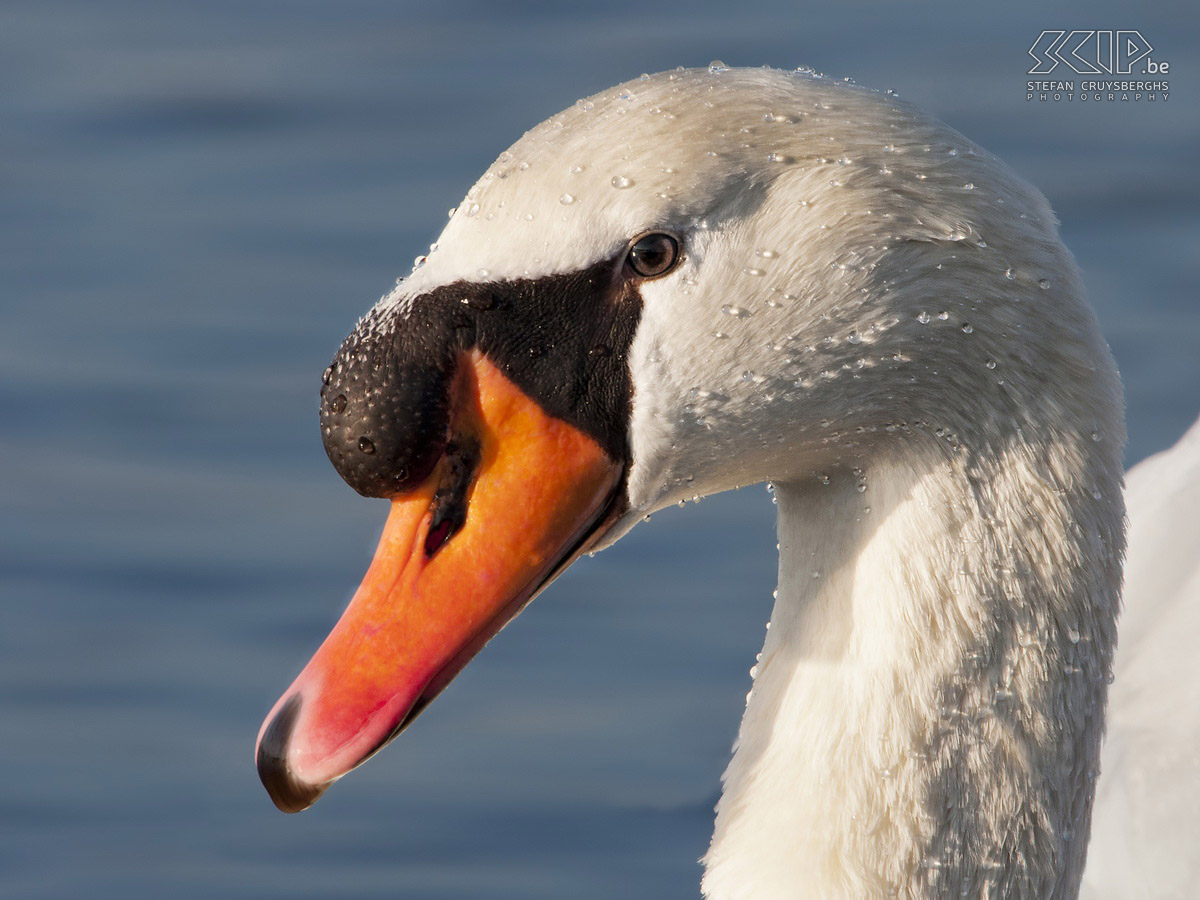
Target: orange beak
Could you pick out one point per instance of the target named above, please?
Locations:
(539, 491)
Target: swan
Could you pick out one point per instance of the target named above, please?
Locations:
(715, 277)
(1147, 818)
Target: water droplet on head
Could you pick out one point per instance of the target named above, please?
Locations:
(620, 182)
(855, 338)
(1044, 283)
(1010, 274)
(716, 67)
(780, 158)
(738, 312)
(991, 364)
(473, 209)
(967, 328)
(752, 271)
(766, 254)
(566, 199)
(943, 315)
(923, 317)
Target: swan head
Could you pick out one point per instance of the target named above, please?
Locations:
(690, 282)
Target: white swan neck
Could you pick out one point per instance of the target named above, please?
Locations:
(929, 700)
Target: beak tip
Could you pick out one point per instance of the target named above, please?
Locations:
(289, 793)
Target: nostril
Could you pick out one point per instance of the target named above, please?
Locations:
(450, 501)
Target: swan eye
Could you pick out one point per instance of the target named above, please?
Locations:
(653, 255)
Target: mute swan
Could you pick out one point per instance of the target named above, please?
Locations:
(709, 278)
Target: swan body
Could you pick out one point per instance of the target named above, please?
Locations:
(878, 317)
(1147, 828)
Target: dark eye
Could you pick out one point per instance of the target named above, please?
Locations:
(653, 255)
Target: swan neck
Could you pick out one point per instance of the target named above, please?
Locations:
(928, 704)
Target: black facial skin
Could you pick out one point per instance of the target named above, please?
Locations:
(562, 339)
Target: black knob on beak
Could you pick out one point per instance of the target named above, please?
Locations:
(385, 402)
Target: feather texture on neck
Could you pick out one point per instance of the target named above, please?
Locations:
(928, 706)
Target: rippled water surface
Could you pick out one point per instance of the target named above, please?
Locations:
(197, 201)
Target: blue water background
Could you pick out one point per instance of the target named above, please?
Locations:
(197, 200)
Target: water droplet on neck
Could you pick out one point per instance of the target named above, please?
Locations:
(1044, 284)
(473, 209)
(620, 182)
(566, 199)
(923, 317)
(716, 67)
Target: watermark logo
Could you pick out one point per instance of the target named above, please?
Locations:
(1093, 53)
(1096, 53)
